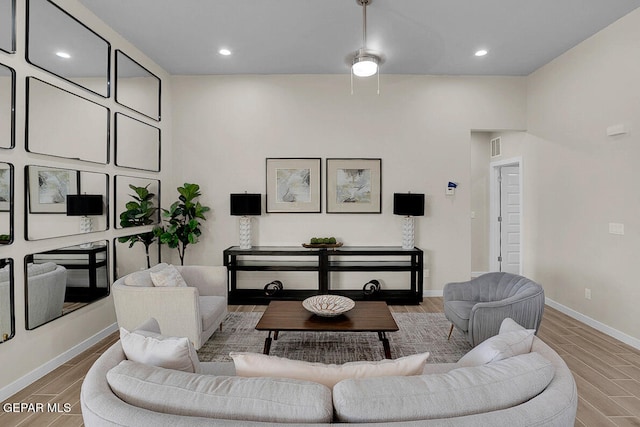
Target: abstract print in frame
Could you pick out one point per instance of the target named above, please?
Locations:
(354, 185)
(293, 185)
(49, 187)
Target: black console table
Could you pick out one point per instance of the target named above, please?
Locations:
(324, 261)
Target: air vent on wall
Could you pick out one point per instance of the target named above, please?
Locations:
(496, 147)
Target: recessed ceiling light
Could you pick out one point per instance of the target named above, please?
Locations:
(64, 55)
(481, 52)
(224, 52)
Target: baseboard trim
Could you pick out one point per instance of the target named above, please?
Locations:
(605, 329)
(432, 293)
(54, 363)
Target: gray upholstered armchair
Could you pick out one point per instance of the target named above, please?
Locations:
(479, 306)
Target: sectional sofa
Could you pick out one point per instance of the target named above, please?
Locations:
(534, 388)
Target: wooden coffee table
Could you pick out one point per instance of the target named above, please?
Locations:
(366, 316)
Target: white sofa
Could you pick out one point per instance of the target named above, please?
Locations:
(157, 397)
(46, 288)
(195, 311)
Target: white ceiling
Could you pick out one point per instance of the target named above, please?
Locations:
(320, 36)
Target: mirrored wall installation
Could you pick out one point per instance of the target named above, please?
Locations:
(137, 144)
(62, 124)
(63, 280)
(136, 87)
(6, 203)
(62, 45)
(54, 196)
(8, 26)
(7, 106)
(7, 320)
(125, 194)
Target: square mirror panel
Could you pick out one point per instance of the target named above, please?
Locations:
(136, 87)
(7, 320)
(137, 206)
(8, 25)
(64, 202)
(6, 203)
(137, 144)
(131, 254)
(62, 280)
(60, 44)
(62, 124)
(7, 106)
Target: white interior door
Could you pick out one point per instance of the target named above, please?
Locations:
(505, 216)
(509, 218)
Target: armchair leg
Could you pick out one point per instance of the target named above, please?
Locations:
(450, 332)
(220, 325)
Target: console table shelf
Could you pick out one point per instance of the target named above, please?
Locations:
(324, 261)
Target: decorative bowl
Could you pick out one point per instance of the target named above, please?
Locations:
(328, 305)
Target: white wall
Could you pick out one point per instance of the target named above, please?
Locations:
(225, 127)
(31, 354)
(580, 180)
(480, 146)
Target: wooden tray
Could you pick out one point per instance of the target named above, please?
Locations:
(322, 245)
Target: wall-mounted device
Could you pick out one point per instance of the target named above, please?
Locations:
(451, 188)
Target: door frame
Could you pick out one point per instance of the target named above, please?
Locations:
(494, 208)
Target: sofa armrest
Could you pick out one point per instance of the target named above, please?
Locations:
(209, 280)
(486, 317)
(177, 310)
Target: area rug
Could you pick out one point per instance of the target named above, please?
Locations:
(419, 333)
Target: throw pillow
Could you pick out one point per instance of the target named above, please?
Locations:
(260, 365)
(168, 277)
(499, 347)
(142, 279)
(154, 349)
(509, 325)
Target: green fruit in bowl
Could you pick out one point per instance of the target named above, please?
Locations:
(332, 240)
(314, 241)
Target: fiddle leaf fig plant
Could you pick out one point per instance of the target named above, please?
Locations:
(140, 211)
(182, 220)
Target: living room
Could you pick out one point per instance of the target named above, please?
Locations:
(217, 131)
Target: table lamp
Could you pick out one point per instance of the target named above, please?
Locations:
(409, 205)
(84, 205)
(245, 205)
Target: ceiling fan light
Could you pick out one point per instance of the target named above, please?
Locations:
(365, 65)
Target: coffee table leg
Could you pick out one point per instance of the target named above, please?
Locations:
(267, 344)
(385, 344)
(275, 335)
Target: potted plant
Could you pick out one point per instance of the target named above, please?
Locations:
(139, 212)
(182, 220)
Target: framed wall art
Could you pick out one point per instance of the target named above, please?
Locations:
(48, 188)
(293, 185)
(354, 185)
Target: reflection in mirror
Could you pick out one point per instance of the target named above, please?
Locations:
(62, 124)
(7, 25)
(125, 194)
(63, 280)
(137, 144)
(7, 106)
(62, 45)
(7, 323)
(6, 203)
(136, 87)
(47, 190)
(129, 258)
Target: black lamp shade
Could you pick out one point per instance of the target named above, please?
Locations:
(408, 204)
(246, 204)
(84, 204)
